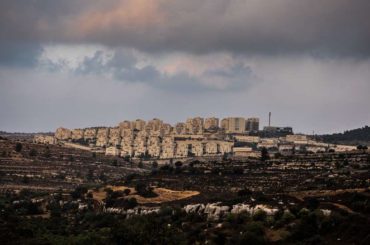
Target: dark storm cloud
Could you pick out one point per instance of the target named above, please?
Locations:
(330, 27)
(19, 54)
(122, 65)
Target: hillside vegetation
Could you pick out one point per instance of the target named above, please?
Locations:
(353, 137)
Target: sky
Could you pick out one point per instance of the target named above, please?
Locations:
(82, 63)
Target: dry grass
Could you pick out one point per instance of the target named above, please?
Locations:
(164, 195)
(276, 235)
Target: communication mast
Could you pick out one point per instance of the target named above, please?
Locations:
(269, 119)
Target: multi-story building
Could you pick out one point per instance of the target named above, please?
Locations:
(127, 146)
(197, 148)
(234, 125)
(154, 124)
(212, 148)
(140, 144)
(180, 128)
(63, 134)
(77, 134)
(298, 139)
(102, 137)
(271, 131)
(139, 124)
(225, 147)
(268, 143)
(182, 149)
(252, 124)
(115, 136)
(127, 133)
(112, 151)
(247, 138)
(157, 133)
(195, 125)
(225, 124)
(154, 146)
(90, 134)
(126, 125)
(168, 147)
(44, 139)
(211, 123)
(166, 128)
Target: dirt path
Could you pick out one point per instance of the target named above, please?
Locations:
(341, 206)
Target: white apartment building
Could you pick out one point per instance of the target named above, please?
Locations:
(90, 134)
(102, 137)
(126, 125)
(139, 124)
(115, 136)
(44, 139)
(233, 124)
(154, 124)
(63, 134)
(77, 134)
(168, 147)
(195, 125)
(247, 138)
(180, 128)
(154, 146)
(140, 145)
(226, 147)
(182, 149)
(212, 148)
(211, 123)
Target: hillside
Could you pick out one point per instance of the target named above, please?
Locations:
(352, 137)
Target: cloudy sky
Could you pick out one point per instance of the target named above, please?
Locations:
(80, 63)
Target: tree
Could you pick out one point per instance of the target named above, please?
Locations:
(145, 190)
(79, 192)
(47, 153)
(25, 179)
(114, 162)
(33, 153)
(178, 164)
(264, 154)
(127, 192)
(102, 177)
(225, 156)
(155, 164)
(18, 147)
(90, 175)
(362, 147)
(244, 192)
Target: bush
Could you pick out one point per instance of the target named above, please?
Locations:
(145, 190)
(127, 192)
(259, 215)
(287, 217)
(313, 203)
(79, 192)
(18, 147)
(155, 164)
(33, 153)
(244, 192)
